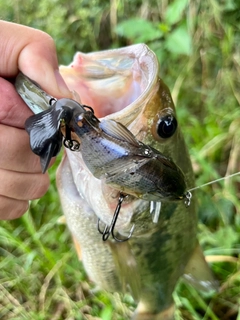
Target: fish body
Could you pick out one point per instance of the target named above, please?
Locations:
(123, 85)
(123, 88)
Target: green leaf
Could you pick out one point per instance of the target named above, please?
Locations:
(174, 11)
(179, 41)
(226, 237)
(106, 313)
(138, 30)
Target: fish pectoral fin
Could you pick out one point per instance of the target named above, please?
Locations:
(198, 273)
(118, 131)
(77, 248)
(126, 267)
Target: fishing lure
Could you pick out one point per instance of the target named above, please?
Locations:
(109, 150)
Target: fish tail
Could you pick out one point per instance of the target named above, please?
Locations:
(167, 314)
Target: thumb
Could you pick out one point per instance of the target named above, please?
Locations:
(33, 52)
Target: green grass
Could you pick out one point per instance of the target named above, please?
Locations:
(40, 276)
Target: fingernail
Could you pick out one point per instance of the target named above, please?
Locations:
(61, 84)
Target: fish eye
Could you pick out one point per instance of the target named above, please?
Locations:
(166, 126)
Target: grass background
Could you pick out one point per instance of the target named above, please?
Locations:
(197, 44)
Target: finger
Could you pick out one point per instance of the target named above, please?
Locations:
(16, 154)
(23, 186)
(33, 52)
(12, 208)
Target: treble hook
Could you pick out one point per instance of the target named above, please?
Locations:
(73, 145)
(110, 229)
(90, 108)
(68, 142)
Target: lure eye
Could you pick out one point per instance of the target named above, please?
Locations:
(166, 126)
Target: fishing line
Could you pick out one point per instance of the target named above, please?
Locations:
(217, 180)
(188, 195)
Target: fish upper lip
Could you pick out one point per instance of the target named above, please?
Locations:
(140, 61)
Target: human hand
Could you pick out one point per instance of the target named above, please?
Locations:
(33, 52)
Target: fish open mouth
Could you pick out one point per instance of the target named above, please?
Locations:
(118, 84)
(113, 80)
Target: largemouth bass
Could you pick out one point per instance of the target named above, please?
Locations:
(123, 86)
